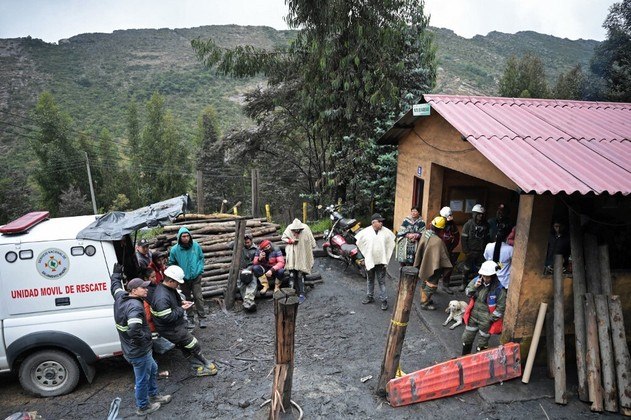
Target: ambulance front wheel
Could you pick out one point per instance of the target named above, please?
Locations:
(49, 373)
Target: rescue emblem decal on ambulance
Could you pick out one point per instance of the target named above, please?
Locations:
(53, 263)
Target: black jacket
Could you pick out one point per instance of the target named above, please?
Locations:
(131, 323)
(167, 313)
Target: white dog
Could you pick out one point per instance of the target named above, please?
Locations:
(456, 310)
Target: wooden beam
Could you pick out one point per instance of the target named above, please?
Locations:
(621, 354)
(235, 267)
(605, 269)
(578, 290)
(398, 327)
(592, 266)
(592, 359)
(285, 311)
(560, 383)
(535, 342)
(606, 353)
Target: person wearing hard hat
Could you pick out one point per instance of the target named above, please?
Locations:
(135, 338)
(486, 308)
(451, 237)
(431, 259)
(475, 236)
(169, 316)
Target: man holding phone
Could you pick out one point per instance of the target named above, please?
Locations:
(168, 310)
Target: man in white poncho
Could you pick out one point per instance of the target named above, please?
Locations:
(376, 243)
(299, 254)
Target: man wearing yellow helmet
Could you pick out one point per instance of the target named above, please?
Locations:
(431, 259)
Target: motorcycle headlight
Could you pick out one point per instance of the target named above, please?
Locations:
(325, 233)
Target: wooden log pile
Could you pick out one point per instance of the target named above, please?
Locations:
(602, 353)
(215, 234)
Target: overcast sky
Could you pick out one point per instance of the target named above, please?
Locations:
(52, 20)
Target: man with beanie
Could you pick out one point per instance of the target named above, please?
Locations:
(376, 243)
(431, 259)
(188, 255)
(135, 337)
(268, 265)
(168, 311)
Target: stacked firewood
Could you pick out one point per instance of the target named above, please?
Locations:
(215, 233)
(602, 354)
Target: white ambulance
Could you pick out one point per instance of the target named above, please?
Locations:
(56, 309)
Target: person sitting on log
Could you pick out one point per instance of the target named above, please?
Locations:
(269, 264)
(486, 307)
(169, 316)
(299, 250)
(246, 283)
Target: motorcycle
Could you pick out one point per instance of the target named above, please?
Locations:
(339, 241)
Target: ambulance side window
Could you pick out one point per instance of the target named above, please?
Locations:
(26, 254)
(75, 251)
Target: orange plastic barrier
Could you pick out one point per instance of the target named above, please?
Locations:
(456, 376)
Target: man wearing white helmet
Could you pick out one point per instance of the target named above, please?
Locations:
(475, 236)
(451, 237)
(486, 308)
(168, 310)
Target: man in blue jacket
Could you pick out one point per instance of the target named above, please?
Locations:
(189, 256)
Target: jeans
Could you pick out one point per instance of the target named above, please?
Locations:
(378, 271)
(299, 281)
(146, 373)
(194, 288)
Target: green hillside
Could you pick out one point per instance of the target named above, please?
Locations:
(94, 77)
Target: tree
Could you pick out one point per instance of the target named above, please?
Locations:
(108, 173)
(164, 170)
(73, 202)
(60, 162)
(352, 68)
(524, 78)
(571, 85)
(612, 58)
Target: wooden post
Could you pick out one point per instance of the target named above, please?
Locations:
(592, 359)
(285, 310)
(605, 269)
(268, 213)
(255, 192)
(578, 290)
(606, 353)
(398, 326)
(592, 267)
(532, 352)
(559, 333)
(621, 354)
(550, 340)
(304, 212)
(235, 266)
(200, 192)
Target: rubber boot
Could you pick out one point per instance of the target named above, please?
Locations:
(277, 286)
(482, 348)
(466, 348)
(209, 366)
(265, 283)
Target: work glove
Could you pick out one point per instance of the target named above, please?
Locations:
(118, 268)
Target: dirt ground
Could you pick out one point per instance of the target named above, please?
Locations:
(338, 342)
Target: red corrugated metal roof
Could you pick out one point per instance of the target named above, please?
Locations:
(547, 145)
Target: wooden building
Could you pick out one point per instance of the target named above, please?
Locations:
(541, 158)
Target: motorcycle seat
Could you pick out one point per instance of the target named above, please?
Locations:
(348, 248)
(347, 223)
